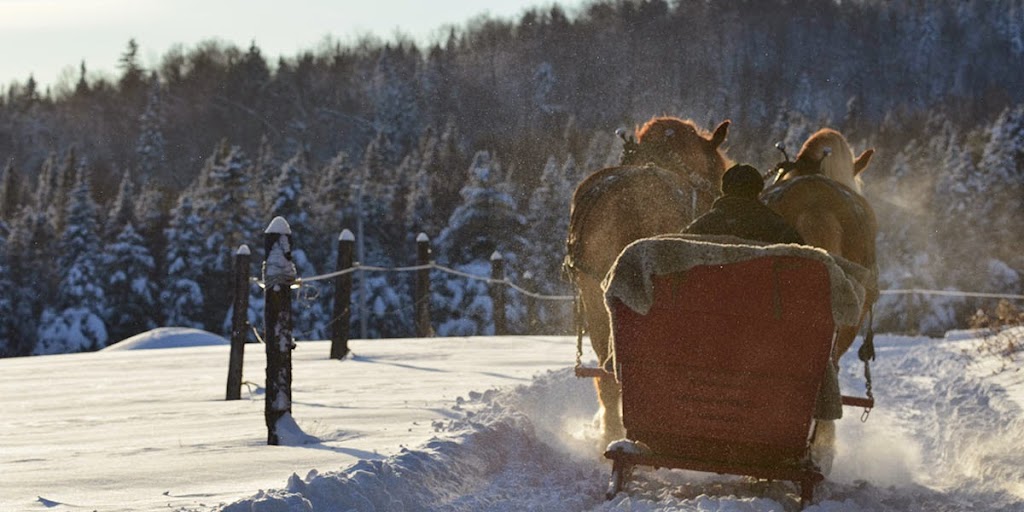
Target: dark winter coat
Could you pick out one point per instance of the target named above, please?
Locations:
(744, 217)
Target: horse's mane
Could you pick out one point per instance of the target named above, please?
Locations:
(830, 148)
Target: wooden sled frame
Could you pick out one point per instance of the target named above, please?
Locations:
(722, 373)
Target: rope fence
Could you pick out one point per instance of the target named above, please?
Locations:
(539, 296)
(280, 278)
(430, 266)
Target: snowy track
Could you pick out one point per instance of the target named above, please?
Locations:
(457, 425)
(945, 437)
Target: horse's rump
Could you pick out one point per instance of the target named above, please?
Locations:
(617, 205)
(832, 216)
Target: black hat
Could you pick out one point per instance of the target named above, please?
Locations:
(742, 180)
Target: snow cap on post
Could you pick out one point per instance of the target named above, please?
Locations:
(278, 267)
(346, 236)
(278, 226)
(243, 250)
(495, 256)
(422, 237)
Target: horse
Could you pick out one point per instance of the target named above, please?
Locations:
(668, 176)
(819, 194)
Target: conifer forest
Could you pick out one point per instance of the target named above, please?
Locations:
(123, 198)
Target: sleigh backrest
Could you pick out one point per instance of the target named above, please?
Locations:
(727, 363)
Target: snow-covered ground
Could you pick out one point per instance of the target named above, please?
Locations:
(466, 424)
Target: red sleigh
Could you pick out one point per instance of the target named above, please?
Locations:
(721, 351)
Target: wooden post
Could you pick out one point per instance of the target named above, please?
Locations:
(278, 275)
(342, 297)
(531, 304)
(498, 293)
(239, 321)
(422, 293)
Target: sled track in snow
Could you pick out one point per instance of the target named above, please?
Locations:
(928, 446)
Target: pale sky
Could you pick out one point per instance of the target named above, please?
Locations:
(49, 38)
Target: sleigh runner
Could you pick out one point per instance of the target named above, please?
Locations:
(724, 352)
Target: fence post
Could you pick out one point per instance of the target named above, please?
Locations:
(278, 275)
(422, 297)
(239, 321)
(531, 304)
(342, 297)
(498, 293)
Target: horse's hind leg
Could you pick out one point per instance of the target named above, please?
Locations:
(609, 394)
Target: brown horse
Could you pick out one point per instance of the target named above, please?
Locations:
(670, 175)
(819, 194)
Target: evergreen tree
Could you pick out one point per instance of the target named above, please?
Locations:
(1002, 169)
(122, 211)
(74, 323)
(182, 296)
(378, 244)
(419, 204)
(446, 166)
(486, 222)
(266, 169)
(150, 219)
(396, 111)
(8, 317)
(31, 247)
(130, 292)
(547, 226)
(227, 202)
(547, 221)
(332, 207)
(132, 75)
(488, 218)
(150, 149)
(10, 192)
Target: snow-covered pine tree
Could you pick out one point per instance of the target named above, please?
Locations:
(31, 245)
(266, 170)
(152, 213)
(75, 322)
(10, 192)
(289, 202)
(227, 204)
(62, 180)
(150, 149)
(376, 299)
(332, 210)
(122, 210)
(486, 222)
(547, 225)
(447, 172)
(1002, 169)
(332, 205)
(393, 92)
(182, 297)
(130, 292)
(8, 316)
(419, 204)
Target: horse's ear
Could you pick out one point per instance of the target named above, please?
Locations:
(718, 137)
(861, 162)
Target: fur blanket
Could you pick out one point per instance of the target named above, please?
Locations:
(630, 279)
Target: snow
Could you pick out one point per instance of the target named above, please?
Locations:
(169, 337)
(466, 424)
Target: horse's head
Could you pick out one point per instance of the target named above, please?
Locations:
(680, 146)
(827, 153)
